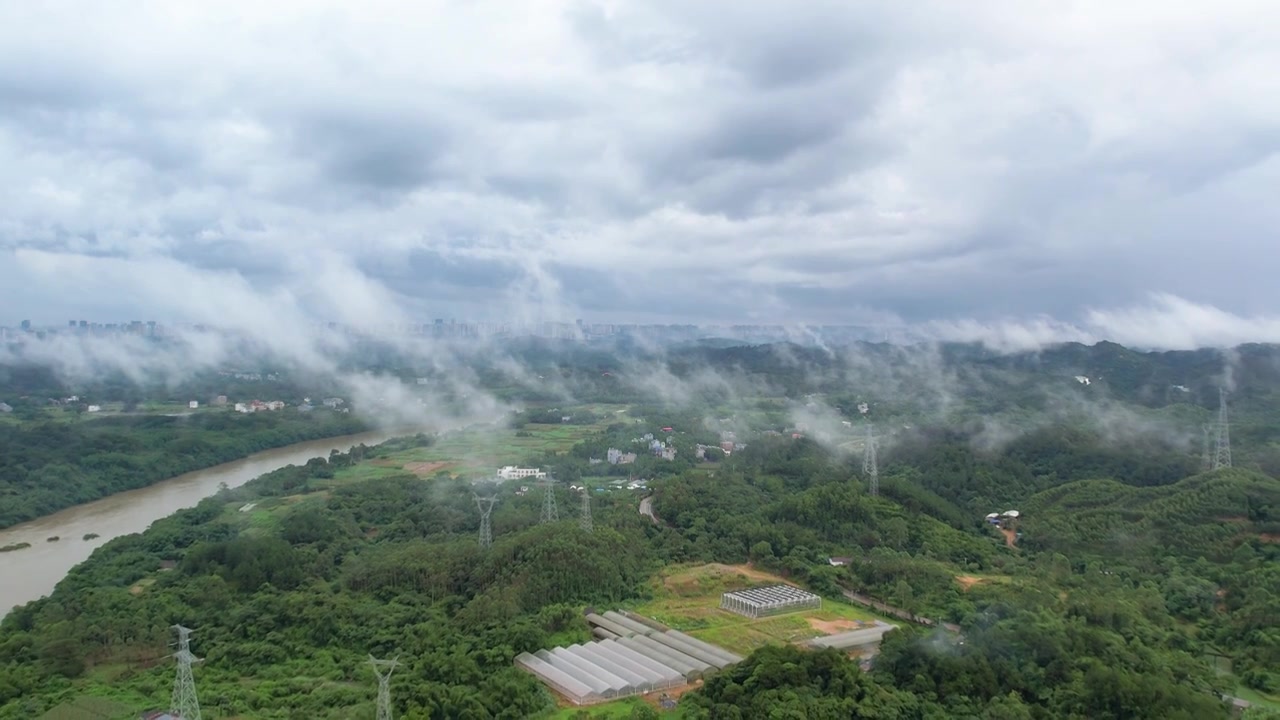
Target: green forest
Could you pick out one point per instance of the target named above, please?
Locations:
(331, 565)
(46, 466)
(1135, 583)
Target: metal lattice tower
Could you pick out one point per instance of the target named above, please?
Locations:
(584, 520)
(1206, 455)
(183, 704)
(549, 511)
(383, 669)
(485, 506)
(870, 467)
(1222, 449)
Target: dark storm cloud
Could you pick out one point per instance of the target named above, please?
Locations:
(693, 159)
(381, 150)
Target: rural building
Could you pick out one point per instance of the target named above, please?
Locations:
(617, 457)
(511, 472)
(94, 408)
(193, 405)
(772, 600)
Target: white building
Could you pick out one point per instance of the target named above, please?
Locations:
(94, 408)
(241, 408)
(511, 472)
(193, 405)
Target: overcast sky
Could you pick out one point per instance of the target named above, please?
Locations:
(1019, 167)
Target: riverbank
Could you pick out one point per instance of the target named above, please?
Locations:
(43, 564)
(46, 466)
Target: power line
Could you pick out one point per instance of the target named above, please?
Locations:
(1222, 449)
(870, 466)
(383, 669)
(549, 511)
(183, 704)
(485, 505)
(584, 520)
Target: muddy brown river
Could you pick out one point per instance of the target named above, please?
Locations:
(32, 573)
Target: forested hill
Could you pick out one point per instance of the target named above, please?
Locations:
(296, 577)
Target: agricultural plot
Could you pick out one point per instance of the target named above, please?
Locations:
(479, 451)
(688, 599)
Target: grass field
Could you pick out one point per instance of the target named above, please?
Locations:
(482, 451)
(688, 599)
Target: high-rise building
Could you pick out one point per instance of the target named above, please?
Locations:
(26, 326)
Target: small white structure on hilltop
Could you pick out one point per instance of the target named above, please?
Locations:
(511, 472)
(1083, 380)
(194, 404)
(772, 600)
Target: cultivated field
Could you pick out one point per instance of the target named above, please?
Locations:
(482, 451)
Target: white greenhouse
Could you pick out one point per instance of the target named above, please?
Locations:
(771, 600)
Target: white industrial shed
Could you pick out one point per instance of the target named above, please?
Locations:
(861, 639)
(632, 658)
(771, 600)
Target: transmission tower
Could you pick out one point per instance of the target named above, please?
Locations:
(584, 520)
(1222, 450)
(869, 465)
(1206, 455)
(485, 506)
(549, 512)
(184, 705)
(383, 669)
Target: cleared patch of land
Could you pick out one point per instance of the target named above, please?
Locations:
(481, 451)
(688, 599)
(426, 469)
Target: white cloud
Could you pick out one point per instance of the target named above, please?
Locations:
(771, 162)
(1164, 322)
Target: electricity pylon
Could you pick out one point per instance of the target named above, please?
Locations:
(383, 669)
(1222, 449)
(1206, 457)
(183, 704)
(584, 520)
(869, 465)
(549, 511)
(485, 505)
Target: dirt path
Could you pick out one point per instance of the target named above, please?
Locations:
(1010, 537)
(968, 581)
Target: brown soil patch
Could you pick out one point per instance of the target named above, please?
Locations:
(968, 581)
(1010, 537)
(831, 627)
(1269, 538)
(751, 572)
(426, 469)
